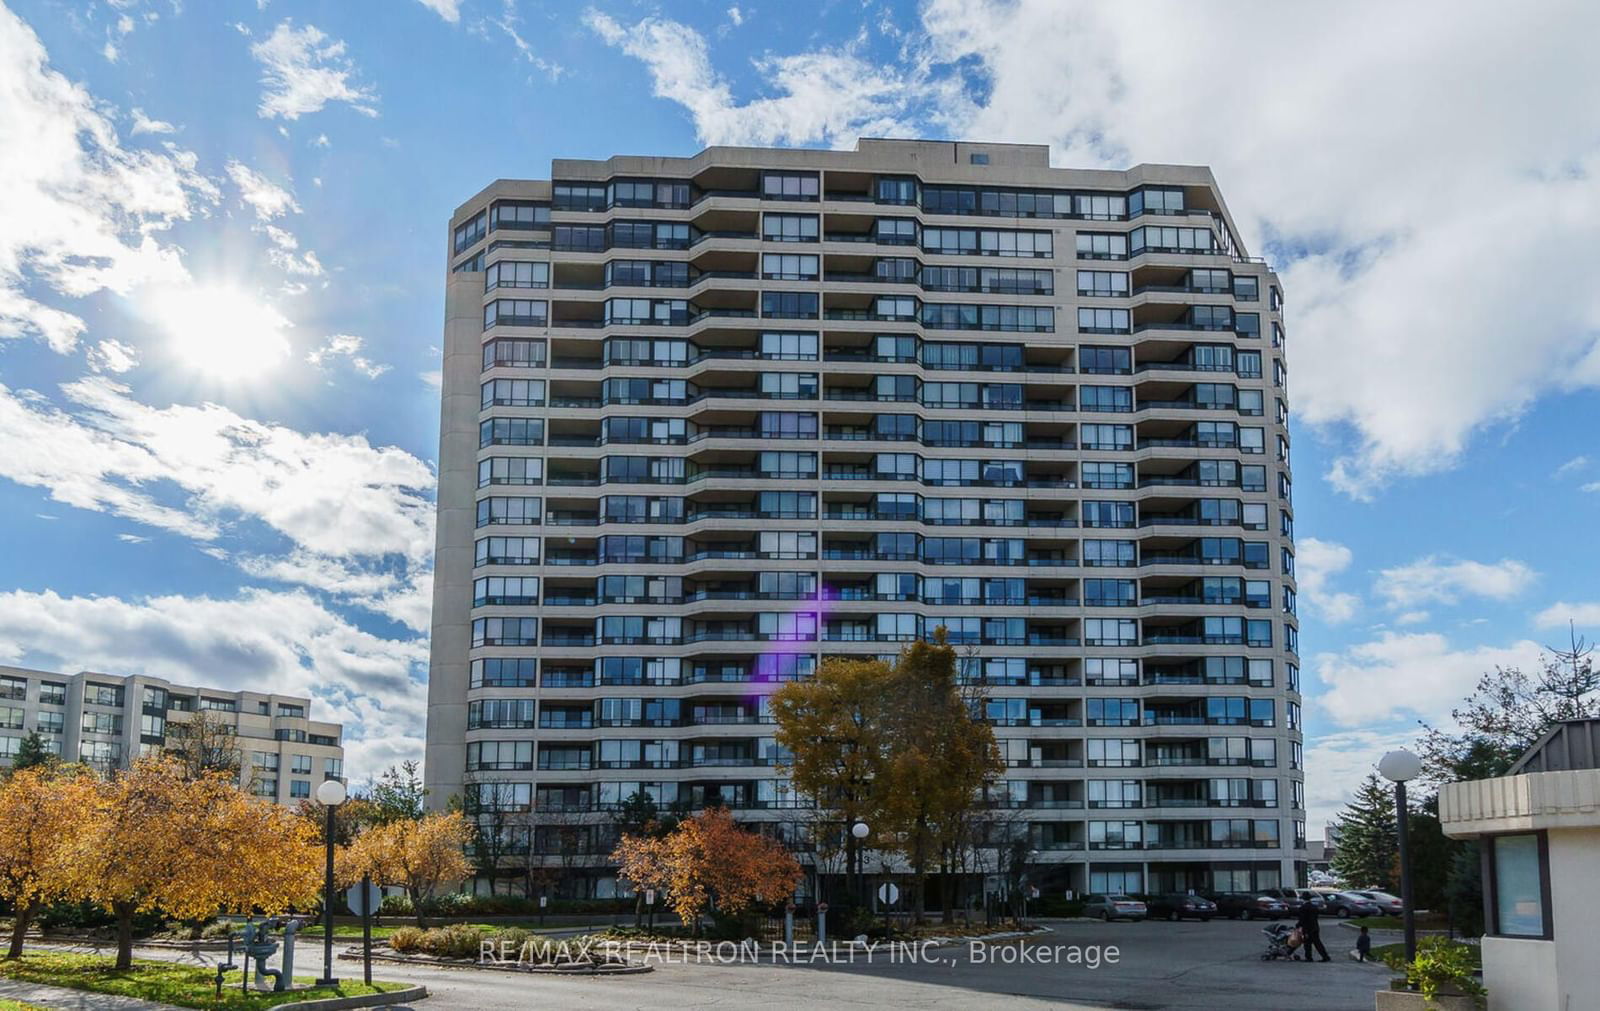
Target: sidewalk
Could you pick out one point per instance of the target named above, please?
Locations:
(78, 1000)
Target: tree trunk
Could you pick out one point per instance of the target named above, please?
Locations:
(124, 914)
(25, 915)
(416, 905)
(947, 894)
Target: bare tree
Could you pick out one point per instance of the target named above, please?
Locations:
(205, 743)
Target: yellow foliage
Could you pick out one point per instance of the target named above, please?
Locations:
(417, 855)
(42, 809)
(154, 839)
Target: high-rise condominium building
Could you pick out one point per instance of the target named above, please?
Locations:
(107, 721)
(710, 420)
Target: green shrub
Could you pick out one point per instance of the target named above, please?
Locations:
(216, 929)
(1440, 962)
(395, 905)
(407, 939)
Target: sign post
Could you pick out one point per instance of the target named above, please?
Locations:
(822, 923)
(650, 900)
(788, 925)
(888, 894)
(544, 901)
(364, 900)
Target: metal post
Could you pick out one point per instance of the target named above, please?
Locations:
(1407, 914)
(366, 929)
(328, 978)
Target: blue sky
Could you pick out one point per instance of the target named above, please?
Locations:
(222, 240)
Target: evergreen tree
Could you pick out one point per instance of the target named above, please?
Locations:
(31, 752)
(1368, 852)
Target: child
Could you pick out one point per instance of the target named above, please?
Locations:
(1364, 946)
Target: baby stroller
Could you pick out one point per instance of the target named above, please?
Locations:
(1282, 940)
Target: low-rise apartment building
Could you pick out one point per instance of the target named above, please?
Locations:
(107, 720)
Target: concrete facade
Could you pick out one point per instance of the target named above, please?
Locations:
(708, 420)
(107, 721)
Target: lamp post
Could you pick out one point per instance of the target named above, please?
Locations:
(859, 832)
(330, 795)
(1399, 767)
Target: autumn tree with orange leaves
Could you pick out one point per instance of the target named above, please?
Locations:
(42, 810)
(153, 838)
(709, 862)
(418, 855)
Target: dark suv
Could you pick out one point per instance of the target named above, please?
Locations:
(1250, 906)
(1178, 906)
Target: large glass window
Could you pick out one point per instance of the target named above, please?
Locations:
(1519, 886)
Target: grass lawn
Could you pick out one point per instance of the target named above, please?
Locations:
(1425, 921)
(1399, 950)
(17, 1005)
(166, 982)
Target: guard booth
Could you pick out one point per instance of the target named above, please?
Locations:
(1538, 828)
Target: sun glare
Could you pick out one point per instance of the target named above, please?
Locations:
(221, 331)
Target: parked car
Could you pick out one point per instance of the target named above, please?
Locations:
(1250, 906)
(1346, 904)
(1389, 904)
(1314, 897)
(1178, 906)
(1288, 896)
(1114, 907)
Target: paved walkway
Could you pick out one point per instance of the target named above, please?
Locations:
(78, 1000)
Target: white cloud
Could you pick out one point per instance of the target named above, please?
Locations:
(1411, 617)
(257, 640)
(433, 378)
(82, 214)
(132, 538)
(330, 495)
(1436, 580)
(510, 24)
(111, 355)
(349, 347)
(144, 124)
(1592, 486)
(1572, 466)
(1337, 763)
(265, 197)
(827, 95)
(283, 253)
(1316, 562)
(1585, 614)
(1358, 159)
(450, 10)
(1415, 674)
(735, 15)
(303, 70)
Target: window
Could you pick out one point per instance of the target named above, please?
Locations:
(512, 392)
(789, 227)
(789, 304)
(978, 158)
(103, 695)
(790, 186)
(52, 694)
(471, 230)
(1519, 885)
(14, 689)
(1102, 282)
(788, 267)
(510, 470)
(515, 312)
(1102, 246)
(1103, 321)
(897, 231)
(519, 215)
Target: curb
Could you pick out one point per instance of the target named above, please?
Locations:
(405, 996)
(524, 970)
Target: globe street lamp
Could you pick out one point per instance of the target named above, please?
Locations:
(1399, 767)
(330, 795)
